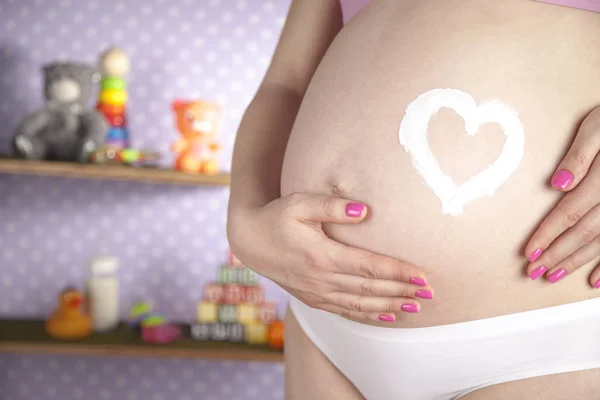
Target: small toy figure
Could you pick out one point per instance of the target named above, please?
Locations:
(110, 155)
(114, 65)
(160, 334)
(66, 129)
(69, 322)
(138, 313)
(198, 124)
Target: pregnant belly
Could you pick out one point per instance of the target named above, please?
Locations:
(538, 60)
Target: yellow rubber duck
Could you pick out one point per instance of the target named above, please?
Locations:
(69, 322)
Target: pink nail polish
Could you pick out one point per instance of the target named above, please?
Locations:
(354, 209)
(557, 275)
(424, 294)
(409, 308)
(417, 281)
(597, 284)
(387, 318)
(539, 271)
(535, 255)
(562, 179)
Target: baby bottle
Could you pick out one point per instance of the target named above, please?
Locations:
(103, 292)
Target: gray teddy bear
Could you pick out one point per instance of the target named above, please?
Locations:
(66, 129)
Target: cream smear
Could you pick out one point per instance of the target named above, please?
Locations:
(413, 136)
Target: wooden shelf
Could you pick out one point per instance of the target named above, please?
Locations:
(109, 172)
(28, 336)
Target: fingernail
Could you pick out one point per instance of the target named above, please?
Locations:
(424, 294)
(557, 275)
(597, 284)
(562, 179)
(354, 209)
(387, 318)
(535, 255)
(539, 271)
(410, 308)
(417, 281)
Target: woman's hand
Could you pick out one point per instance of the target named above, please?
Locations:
(569, 237)
(284, 241)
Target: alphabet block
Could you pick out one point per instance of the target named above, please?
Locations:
(254, 294)
(201, 331)
(246, 313)
(256, 333)
(213, 292)
(228, 275)
(227, 313)
(237, 332)
(267, 312)
(232, 294)
(207, 312)
(248, 277)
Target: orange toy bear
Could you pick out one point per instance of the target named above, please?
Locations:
(198, 123)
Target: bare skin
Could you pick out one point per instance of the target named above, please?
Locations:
(344, 143)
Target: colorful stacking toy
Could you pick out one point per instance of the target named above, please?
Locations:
(234, 309)
(112, 98)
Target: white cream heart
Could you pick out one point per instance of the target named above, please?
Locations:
(413, 136)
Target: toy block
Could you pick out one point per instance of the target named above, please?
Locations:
(201, 331)
(267, 312)
(207, 312)
(237, 332)
(233, 261)
(227, 313)
(256, 333)
(248, 277)
(254, 294)
(220, 332)
(246, 313)
(228, 275)
(213, 292)
(232, 294)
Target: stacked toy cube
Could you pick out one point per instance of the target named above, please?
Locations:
(112, 97)
(233, 308)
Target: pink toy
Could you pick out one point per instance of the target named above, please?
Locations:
(267, 312)
(254, 294)
(232, 294)
(213, 292)
(161, 334)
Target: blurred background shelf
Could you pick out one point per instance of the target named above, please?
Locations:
(110, 172)
(28, 336)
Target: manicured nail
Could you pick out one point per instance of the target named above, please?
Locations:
(557, 275)
(597, 284)
(417, 281)
(539, 271)
(535, 255)
(424, 294)
(354, 209)
(410, 308)
(562, 179)
(387, 318)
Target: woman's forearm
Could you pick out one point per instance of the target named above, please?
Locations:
(260, 146)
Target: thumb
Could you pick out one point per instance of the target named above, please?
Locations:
(319, 208)
(576, 164)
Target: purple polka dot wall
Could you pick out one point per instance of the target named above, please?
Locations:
(169, 240)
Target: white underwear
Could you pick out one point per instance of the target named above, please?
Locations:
(449, 361)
